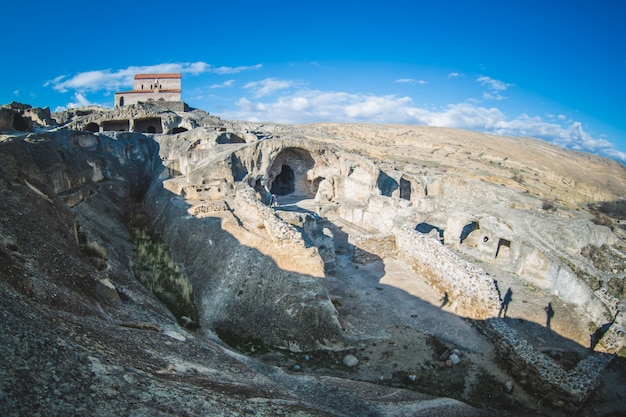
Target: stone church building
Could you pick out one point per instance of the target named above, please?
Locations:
(161, 89)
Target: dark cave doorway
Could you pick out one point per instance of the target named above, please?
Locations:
(285, 182)
(291, 176)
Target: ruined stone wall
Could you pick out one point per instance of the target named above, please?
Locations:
(279, 230)
(472, 292)
(382, 245)
(547, 379)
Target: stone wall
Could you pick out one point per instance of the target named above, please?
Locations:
(472, 292)
(474, 295)
(365, 247)
(279, 230)
(547, 379)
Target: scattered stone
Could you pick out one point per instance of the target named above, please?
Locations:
(107, 293)
(456, 352)
(449, 363)
(297, 368)
(350, 361)
(413, 377)
(455, 359)
(444, 356)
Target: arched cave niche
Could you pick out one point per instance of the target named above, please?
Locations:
(289, 174)
(386, 184)
(148, 125)
(92, 127)
(426, 228)
(178, 130)
(19, 123)
(467, 229)
(228, 137)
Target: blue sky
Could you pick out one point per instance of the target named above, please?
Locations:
(549, 69)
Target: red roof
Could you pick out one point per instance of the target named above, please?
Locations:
(153, 76)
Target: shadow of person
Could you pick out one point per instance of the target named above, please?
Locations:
(444, 300)
(549, 314)
(504, 306)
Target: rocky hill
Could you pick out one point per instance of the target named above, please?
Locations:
(404, 271)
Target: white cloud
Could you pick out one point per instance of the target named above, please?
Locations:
(411, 81)
(79, 101)
(306, 106)
(494, 87)
(454, 75)
(110, 80)
(225, 84)
(269, 86)
(236, 70)
(16, 92)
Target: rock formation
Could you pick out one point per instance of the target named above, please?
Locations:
(391, 246)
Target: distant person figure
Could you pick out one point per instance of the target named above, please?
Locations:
(508, 297)
(274, 201)
(549, 314)
(445, 300)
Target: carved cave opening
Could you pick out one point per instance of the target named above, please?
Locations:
(148, 125)
(19, 123)
(284, 183)
(426, 228)
(405, 189)
(467, 229)
(504, 249)
(178, 130)
(289, 174)
(92, 127)
(386, 184)
(115, 125)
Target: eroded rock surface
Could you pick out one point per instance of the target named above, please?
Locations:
(390, 245)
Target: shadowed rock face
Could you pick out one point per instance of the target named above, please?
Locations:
(80, 329)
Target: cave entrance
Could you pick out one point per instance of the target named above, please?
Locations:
(92, 127)
(504, 249)
(19, 123)
(405, 189)
(290, 174)
(427, 228)
(284, 183)
(148, 125)
(467, 229)
(116, 125)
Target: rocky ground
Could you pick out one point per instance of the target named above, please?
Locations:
(80, 334)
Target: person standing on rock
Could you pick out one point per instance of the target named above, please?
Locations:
(274, 201)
